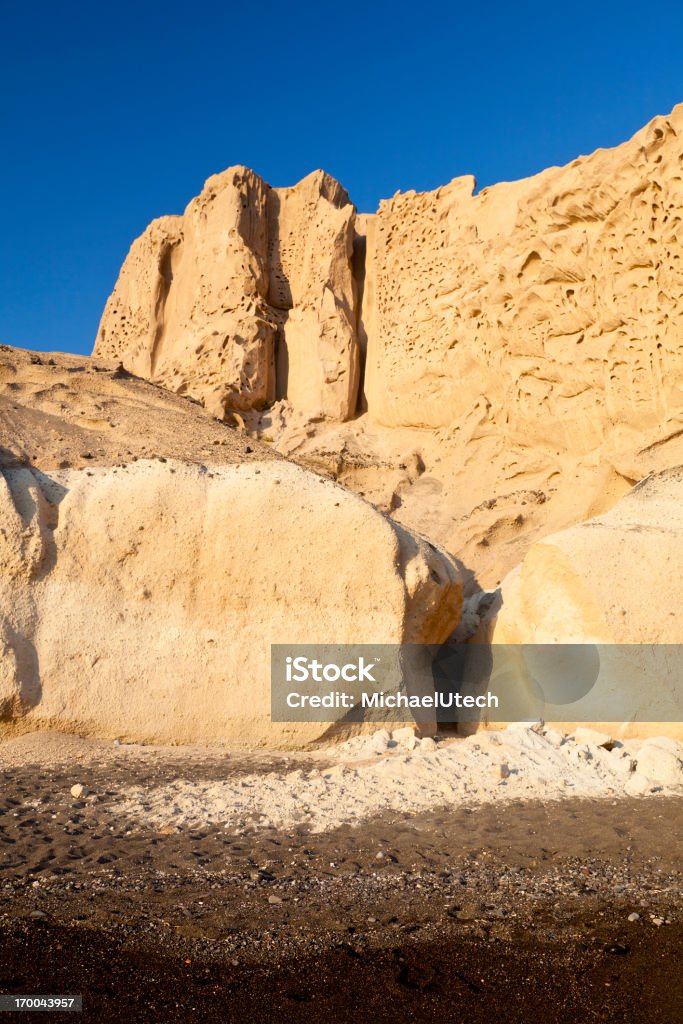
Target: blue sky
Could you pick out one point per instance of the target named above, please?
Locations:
(113, 114)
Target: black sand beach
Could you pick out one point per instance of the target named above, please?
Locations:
(480, 914)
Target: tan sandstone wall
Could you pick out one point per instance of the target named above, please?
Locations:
(549, 308)
(250, 278)
(553, 303)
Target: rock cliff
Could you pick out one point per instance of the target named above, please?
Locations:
(248, 297)
(487, 367)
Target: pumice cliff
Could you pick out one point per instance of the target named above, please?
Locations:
(519, 347)
(245, 298)
(552, 304)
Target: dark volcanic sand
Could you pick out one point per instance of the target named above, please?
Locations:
(488, 914)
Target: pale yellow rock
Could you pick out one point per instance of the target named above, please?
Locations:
(164, 584)
(312, 290)
(524, 342)
(25, 522)
(189, 307)
(553, 301)
(247, 279)
(599, 739)
(612, 581)
(659, 765)
(608, 580)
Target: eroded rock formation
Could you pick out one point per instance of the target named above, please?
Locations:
(610, 582)
(141, 601)
(611, 579)
(246, 298)
(552, 304)
(520, 346)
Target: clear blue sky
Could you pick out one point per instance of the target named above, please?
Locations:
(111, 114)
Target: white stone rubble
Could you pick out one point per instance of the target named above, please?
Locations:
(383, 773)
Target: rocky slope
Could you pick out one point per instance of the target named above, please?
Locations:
(520, 365)
(64, 411)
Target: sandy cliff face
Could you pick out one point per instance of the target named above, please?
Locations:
(247, 297)
(552, 304)
(520, 354)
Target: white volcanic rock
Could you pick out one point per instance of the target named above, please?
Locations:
(140, 602)
(610, 582)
